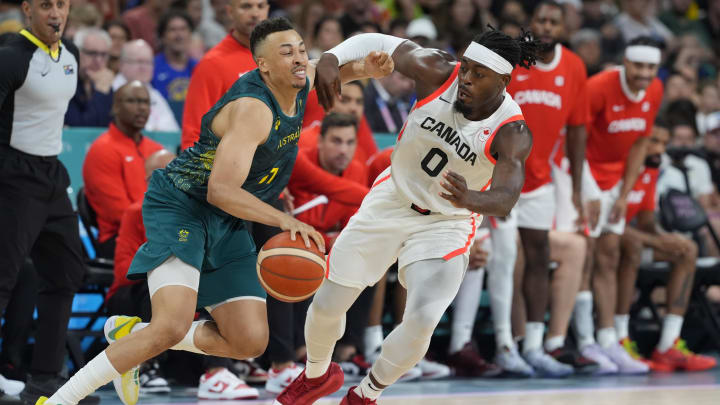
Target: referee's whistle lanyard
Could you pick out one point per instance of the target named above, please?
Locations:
(387, 116)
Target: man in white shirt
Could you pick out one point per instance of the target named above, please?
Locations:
(137, 63)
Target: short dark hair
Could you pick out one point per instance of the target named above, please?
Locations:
(336, 119)
(357, 83)
(322, 21)
(521, 51)
(121, 25)
(267, 27)
(549, 3)
(169, 16)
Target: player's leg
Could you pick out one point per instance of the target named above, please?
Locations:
(568, 251)
(432, 285)
(671, 353)
(631, 253)
(503, 238)
(518, 315)
(373, 336)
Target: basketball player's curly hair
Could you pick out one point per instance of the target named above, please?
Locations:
(522, 51)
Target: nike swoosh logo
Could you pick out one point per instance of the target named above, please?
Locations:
(442, 99)
(44, 74)
(118, 328)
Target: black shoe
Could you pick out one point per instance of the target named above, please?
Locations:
(35, 387)
(572, 357)
(11, 372)
(9, 399)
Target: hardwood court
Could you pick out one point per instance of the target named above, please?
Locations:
(655, 389)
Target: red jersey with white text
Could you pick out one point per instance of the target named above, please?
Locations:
(551, 96)
(617, 119)
(642, 196)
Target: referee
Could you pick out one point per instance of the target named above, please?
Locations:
(38, 77)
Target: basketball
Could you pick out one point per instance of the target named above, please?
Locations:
(288, 270)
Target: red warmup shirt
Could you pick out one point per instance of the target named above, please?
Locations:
(377, 164)
(114, 176)
(213, 76)
(333, 216)
(616, 121)
(366, 146)
(642, 196)
(551, 96)
(131, 236)
(308, 176)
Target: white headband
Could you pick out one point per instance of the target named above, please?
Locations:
(488, 58)
(642, 54)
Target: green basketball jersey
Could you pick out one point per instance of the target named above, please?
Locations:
(273, 160)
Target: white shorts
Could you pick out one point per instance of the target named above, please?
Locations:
(386, 229)
(536, 209)
(607, 200)
(565, 212)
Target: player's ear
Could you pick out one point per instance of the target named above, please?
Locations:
(505, 79)
(262, 64)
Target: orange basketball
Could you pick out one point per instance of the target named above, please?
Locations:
(288, 270)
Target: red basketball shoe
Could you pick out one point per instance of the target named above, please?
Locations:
(305, 391)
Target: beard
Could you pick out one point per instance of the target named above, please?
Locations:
(546, 47)
(653, 161)
(462, 108)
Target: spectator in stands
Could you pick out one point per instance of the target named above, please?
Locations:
(326, 35)
(136, 63)
(82, 16)
(388, 102)
(211, 28)
(222, 65)
(679, 19)
(711, 21)
(351, 102)
(143, 20)
(114, 168)
(637, 19)
(90, 107)
(709, 104)
(670, 354)
(120, 34)
(173, 66)
(587, 43)
(357, 13)
(677, 87)
(711, 142)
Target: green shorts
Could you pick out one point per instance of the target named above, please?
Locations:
(218, 245)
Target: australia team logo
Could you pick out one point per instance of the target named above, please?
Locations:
(183, 235)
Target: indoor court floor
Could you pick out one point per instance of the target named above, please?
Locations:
(654, 389)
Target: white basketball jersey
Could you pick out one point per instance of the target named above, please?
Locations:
(436, 138)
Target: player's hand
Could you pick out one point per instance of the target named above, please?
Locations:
(288, 201)
(102, 79)
(327, 80)
(378, 64)
(457, 186)
(306, 231)
(592, 212)
(618, 211)
(478, 256)
(577, 203)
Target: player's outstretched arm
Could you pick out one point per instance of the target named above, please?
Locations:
(375, 65)
(512, 146)
(429, 68)
(242, 125)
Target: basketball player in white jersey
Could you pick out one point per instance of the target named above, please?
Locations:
(464, 133)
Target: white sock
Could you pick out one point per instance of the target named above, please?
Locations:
(622, 323)
(583, 319)
(98, 372)
(366, 389)
(672, 326)
(373, 339)
(533, 336)
(188, 342)
(466, 307)
(554, 342)
(607, 337)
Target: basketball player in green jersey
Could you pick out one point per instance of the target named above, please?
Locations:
(199, 253)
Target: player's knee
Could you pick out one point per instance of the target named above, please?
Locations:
(690, 254)
(250, 343)
(167, 334)
(422, 323)
(325, 309)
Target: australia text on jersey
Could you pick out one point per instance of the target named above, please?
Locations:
(450, 136)
(292, 138)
